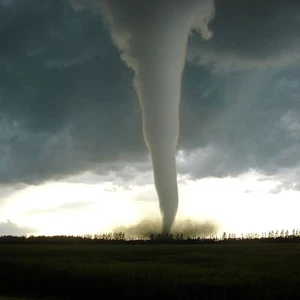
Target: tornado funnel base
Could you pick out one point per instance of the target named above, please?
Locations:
(167, 226)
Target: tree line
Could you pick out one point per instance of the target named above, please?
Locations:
(283, 236)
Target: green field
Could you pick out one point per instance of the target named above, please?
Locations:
(224, 271)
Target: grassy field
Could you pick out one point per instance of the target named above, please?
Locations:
(260, 271)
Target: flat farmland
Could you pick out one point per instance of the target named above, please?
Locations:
(220, 271)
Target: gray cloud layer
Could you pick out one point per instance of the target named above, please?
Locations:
(67, 104)
(10, 228)
(255, 126)
(61, 114)
(251, 34)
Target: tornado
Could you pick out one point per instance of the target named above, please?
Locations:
(152, 38)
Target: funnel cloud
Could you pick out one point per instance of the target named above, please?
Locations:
(152, 38)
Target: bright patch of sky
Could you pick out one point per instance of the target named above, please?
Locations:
(248, 203)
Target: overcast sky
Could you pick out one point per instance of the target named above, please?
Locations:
(69, 112)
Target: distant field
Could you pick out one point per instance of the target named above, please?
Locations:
(259, 271)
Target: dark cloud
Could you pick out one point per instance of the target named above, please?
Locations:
(10, 228)
(256, 125)
(67, 104)
(5, 3)
(66, 98)
(251, 33)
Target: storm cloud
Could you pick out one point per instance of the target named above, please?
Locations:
(251, 34)
(67, 104)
